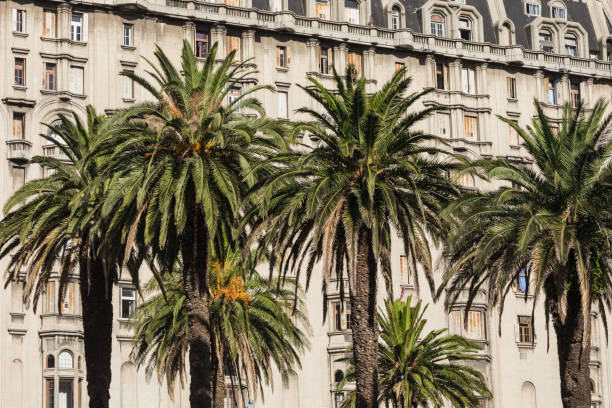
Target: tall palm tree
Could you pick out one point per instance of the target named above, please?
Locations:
(372, 172)
(252, 322)
(50, 221)
(420, 369)
(551, 219)
(181, 172)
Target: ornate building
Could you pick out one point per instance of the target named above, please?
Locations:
(483, 57)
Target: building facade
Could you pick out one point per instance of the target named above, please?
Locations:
(483, 57)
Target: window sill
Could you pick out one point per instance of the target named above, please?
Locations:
(124, 319)
(128, 100)
(526, 346)
(512, 100)
(20, 34)
(282, 69)
(515, 147)
(20, 87)
(49, 91)
(128, 47)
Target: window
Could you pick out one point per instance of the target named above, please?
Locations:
(441, 76)
(128, 35)
(234, 3)
(233, 95)
(68, 301)
(76, 80)
(201, 44)
(18, 125)
(322, 9)
(50, 361)
(354, 59)
(65, 359)
(50, 297)
(525, 330)
(511, 88)
(324, 57)
(395, 18)
(532, 9)
(404, 270)
(338, 376)
(276, 5)
(515, 139)
(128, 302)
(471, 127)
(546, 43)
(465, 29)
(558, 12)
(231, 395)
(462, 179)
(437, 25)
(20, 66)
(128, 86)
(521, 282)
(283, 100)
(79, 363)
(594, 54)
(443, 124)
(592, 384)
(281, 57)
(80, 397)
(50, 82)
(468, 80)
(49, 20)
(399, 66)
(551, 90)
(571, 46)
(338, 398)
(76, 27)
(50, 390)
(66, 395)
(575, 94)
(341, 316)
(232, 43)
(594, 332)
(351, 11)
(18, 174)
(475, 325)
(19, 21)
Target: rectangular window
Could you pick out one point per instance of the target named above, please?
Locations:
(441, 76)
(50, 391)
(233, 3)
(354, 59)
(468, 80)
(322, 9)
(351, 11)
(404, 270)
(546, 43)
(66, 394)
(525, 330)
(128, 35)
(20, 71)
(18, 125)
(18, 174)
(571, 46)
(128, 87)
(399, 66)
(575, 94)
(76, 27)
(515, 139)
(471, 127)
(324, 57)
(512, 88)
(19, 21)
(341, 316)
(233, 95)
(465, 29)
(520, 286)
(50, 81)
(76, 80)
(201, 44)
(50, 297)
(49, 23)
(281, 57)
(128, 302)
(80, 394)
(551, 90)
(558, 12)
(232, 43)
(475, 328)
(443, 124)
(68, 301)
(532, 9)
(283, 101)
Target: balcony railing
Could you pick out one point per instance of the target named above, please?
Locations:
(18, 150)
(54, 151)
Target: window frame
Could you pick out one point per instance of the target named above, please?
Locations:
(65, 352)
(512, 90)
(201, 44)
(356, 59)
(129, 298)
(554, 12)
(526, 333)
(456, 317)
(574, 94)
(21, 70)
(49, 17)
(536, 9)
(352, 14)
(570, 45)
(18, 118)
(281, 57)
(396, 17)
(128, 35)
(465, 29)
(325, 59)
(20, 21)
(437, 28)
(468, 80)
(282, 99)
(50, 76)
(76, 27)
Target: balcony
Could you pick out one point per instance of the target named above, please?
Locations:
(52, 150)
(18, 150)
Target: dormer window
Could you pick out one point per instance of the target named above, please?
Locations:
(437, 25)
(571, 45)
(532, 9)
(558, 12)
(546, 43)
(322, 9)
(465, 29)
(395, 17)
(351, 10)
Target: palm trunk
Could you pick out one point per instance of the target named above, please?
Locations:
(574, 349)
(219, 373)
(96, 300)
(364, 323)
(194, 251)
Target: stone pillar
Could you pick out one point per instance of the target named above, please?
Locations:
(481, 82)
(313, 46)
(369, 70)
(64, 14)
(430, 70)
(539, 85)
(565, 89)
(587, 92)
(340, 55)
(189, 31)
(248, 45)
(217, 35)
(454, 75)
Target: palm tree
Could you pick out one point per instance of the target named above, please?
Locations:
(371, 172)
(420, 369)
(181, 172)
(50, 221)
(252, 323)
(551, 219)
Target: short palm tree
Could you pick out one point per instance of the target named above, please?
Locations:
(371, 172)
(422, 369)
(551, 219)
(49, 222)
(180, 172)
(252, 322)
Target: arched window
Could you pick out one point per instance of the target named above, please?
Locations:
(351, 10)
(338, 376)
(593, 389)
(546, 43)
(395, 17)
(521, 282)
(50, 361)
(65, 359)
(53, 134)
(571, 45)
(437, 25)
(528, 395)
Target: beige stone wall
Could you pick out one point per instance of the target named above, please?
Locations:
(27, 337)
